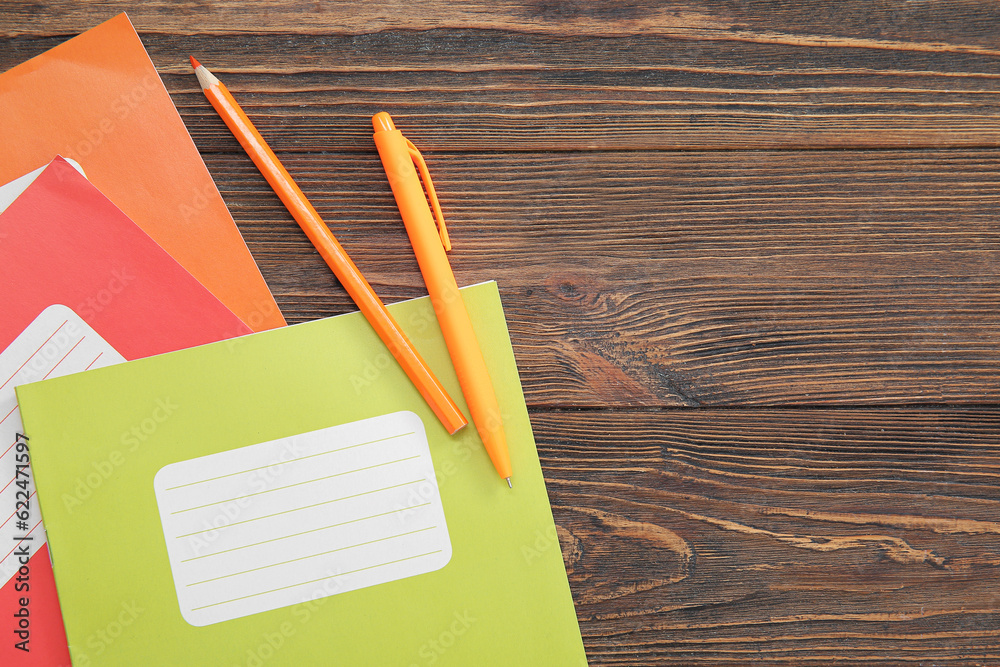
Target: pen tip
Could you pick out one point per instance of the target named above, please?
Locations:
(509, 484)
(194, 63)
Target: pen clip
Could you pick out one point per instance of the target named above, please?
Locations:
(425, 176)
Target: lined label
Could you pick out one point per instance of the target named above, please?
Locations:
(58, 342)
(294, 519)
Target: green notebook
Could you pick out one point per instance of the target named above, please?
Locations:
(287, 498)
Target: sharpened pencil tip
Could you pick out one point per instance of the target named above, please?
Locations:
(194, 63)
(509, 484)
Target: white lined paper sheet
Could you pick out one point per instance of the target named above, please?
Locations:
(57, 342)
(290, 520)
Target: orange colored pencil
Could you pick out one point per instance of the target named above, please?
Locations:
(332, 252)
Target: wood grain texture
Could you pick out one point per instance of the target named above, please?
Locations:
(666, 279)
(781, 213)
(476, 90)
(568, 93)
(778, 536)
(954, 25)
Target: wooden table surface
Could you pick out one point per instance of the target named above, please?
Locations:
(749, 254)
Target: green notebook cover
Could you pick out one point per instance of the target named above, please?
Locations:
(190, 498)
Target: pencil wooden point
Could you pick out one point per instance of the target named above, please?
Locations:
(205, 78)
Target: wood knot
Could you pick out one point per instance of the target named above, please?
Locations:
(572, 287)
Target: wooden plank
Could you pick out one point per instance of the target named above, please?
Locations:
(778, 536)
(664, 279)
(955, 25)
(643, 181)
(475, 90)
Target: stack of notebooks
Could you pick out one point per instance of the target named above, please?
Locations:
(218, 488)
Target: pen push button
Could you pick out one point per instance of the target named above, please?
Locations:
(398, 167)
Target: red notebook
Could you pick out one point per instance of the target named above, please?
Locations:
(63, 242)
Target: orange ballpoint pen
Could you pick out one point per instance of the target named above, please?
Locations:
(398, 158)
(330, 249)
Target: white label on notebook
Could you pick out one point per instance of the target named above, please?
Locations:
(300, 518)
(56, 343)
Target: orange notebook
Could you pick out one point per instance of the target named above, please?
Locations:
(98, 99)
